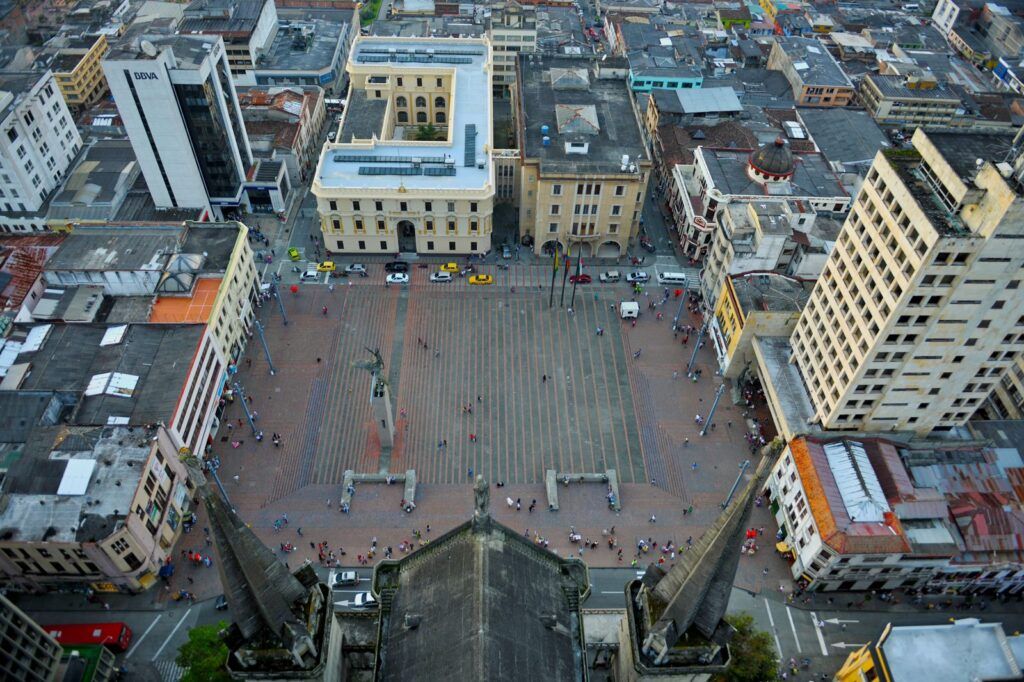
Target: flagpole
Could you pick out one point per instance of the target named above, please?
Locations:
(554, 270)
(565, 274)
(576, 279)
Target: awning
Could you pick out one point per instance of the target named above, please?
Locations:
(783, 547)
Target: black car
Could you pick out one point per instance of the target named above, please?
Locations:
(221, 604)
(647, 244)
(396, 266)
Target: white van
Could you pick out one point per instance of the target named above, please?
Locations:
(672, 278)
(628, 309)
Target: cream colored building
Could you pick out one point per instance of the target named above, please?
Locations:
(584, 168)
(379, 189)
(511, 28)
(918, 314)
(106, 514)
(78, 73)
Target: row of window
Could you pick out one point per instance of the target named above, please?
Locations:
(430, 246)
(403, 206)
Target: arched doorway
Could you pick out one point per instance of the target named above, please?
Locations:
(609, 250)
(406, 236)
(582, 249)
(549, 247)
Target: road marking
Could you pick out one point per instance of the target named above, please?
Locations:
(139, 640)
(158, 651)
(821, 637)
(775, 634)
(792, 626)
(848, 645)
(612, 592)
(837, 621)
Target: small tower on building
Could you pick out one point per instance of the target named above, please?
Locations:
(284, 624)
(674, 627)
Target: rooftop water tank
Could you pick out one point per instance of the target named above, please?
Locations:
(545, 129)
(546, 141)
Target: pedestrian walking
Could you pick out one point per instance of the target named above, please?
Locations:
(653, 519)
(693, 466)
(543, 380)
(469, 472)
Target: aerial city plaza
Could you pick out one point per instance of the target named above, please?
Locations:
(560, 340)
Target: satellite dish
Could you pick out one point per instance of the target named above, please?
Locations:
(148, 48)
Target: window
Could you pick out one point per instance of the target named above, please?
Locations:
(429, 226)
(428, 206)
(613, 228)
(383, 245)
(616, 209)
(440, 83)
(451, 246)
(336, 224)
(421, 102)
(419, 82)
(378, 205)
(556, 190)
(403, 117)
(362, 245)
(355, 205)
(403, 206)
(473, 225)
(555, 208)
(430, 246)
(620, 190)
(359, 225)
(439, 117)
(439, 103)
(333, 205)
(421, 117)
(380, 226)
(398, 81)
(472, 207)
(451, 225)
(451, 207)
(401, 102)
(12, 135)
(552, 227)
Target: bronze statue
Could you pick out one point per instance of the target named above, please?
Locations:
(374, 367)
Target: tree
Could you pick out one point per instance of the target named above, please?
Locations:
(426, 133)
(204, 655)
(753, 654)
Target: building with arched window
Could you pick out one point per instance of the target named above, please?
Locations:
(410, 169)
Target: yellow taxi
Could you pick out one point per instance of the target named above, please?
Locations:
(450, 267)
(481, 279)
(293, 253)
(326, 266)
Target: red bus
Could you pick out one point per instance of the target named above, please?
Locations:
(116, 636)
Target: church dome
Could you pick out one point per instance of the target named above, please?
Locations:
(773, 161)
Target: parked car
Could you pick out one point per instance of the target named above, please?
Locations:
(364, 600)
(506, 252)
(346, 578)
(637, 276)
(481, 279)
(610, 276)
(450, 267)
(311, 274)
(326, 266)
(398, 278)
(221, 603)
(396, 266)
(441, 277)
(355, 269)
(580, 279)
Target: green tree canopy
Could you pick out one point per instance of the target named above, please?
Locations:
(204, 655)
(753, 654)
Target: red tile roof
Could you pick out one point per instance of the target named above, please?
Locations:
(22, 258)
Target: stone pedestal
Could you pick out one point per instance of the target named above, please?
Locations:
(380, 399)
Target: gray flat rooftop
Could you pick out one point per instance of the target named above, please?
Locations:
(896, 88)
(567, 94)
(152, 360)
(215, 240)
(962, 652)
(37, 507)
(844, 135)
(364, 117)
(116, 248)
(812, 177)
(95, 178)
(189, 50)
(785, 384)
(962, 150)
(289, 53)
(771, 292)
(205, 16)
(559, 29)
(813, 62)
(18, 83)
(388, 164)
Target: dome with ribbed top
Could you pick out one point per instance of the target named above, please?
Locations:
(773, 161)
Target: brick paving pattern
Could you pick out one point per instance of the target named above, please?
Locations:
(600, 408)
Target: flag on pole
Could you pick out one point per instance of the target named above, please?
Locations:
(554, 258)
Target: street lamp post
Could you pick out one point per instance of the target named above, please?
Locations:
(266, 348)
(276, 291)
(714, 406)
(245, 406)
(696, 347)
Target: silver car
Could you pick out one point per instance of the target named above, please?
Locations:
(637, 276)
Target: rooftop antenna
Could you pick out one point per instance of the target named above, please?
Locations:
(148, 48)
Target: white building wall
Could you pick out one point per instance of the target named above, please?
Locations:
(38, 141)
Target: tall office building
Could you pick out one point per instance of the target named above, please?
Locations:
(30, 654)
(919, 312)
(178, 103)
(38, 142)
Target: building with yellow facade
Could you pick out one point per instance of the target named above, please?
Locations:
(752, 305)
(584, 167)
(76, 68)
(411, 168)
(962, 651)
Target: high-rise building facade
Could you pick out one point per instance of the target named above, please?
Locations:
(30, 654)
(178, 103)
(38, 142)
(919, 313)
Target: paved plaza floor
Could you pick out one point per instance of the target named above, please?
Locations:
(545, 392)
